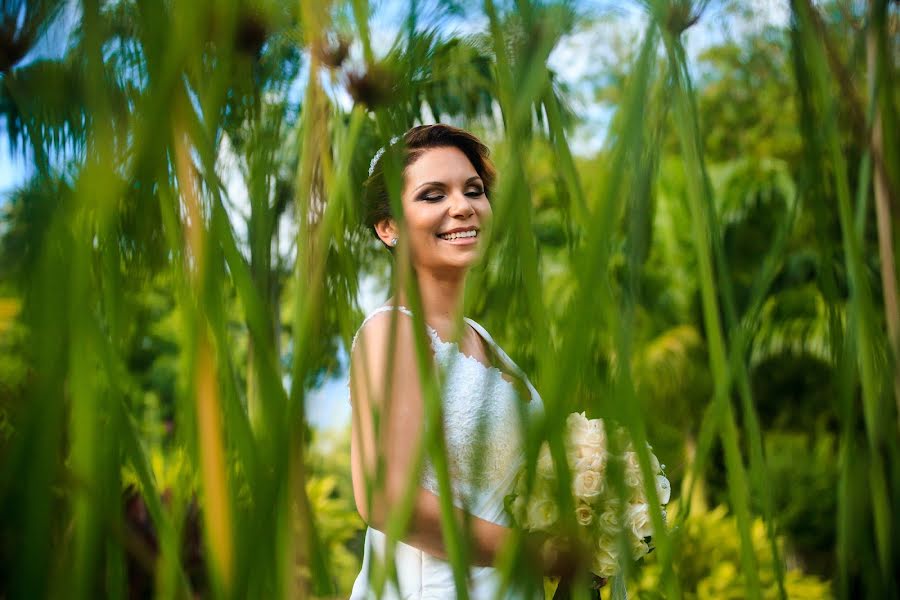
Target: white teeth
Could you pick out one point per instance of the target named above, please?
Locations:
(460, 234)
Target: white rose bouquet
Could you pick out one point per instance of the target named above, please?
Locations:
(599, 510)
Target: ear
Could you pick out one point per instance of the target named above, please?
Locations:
(387, 230)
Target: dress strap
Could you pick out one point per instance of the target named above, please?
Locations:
(504, 357)
(507, 361)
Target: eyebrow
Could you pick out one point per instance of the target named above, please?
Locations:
(442, 184)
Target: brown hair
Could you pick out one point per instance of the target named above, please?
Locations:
(416, 141)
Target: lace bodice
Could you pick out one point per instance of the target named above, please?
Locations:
(482, 422)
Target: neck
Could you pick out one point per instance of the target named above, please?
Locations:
(442, 298)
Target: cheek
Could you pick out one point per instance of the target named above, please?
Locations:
(484, 210)
(422, 220)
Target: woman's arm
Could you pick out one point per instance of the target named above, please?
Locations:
(401, 418)
(424, 531)
(486, 539)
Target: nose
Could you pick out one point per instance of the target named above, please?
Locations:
(460, 206)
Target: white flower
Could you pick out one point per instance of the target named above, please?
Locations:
(576, 421)
(630, 459)
(586, 433)
(639, 548)
(637, 518)
(633, 477)
(545, 467)
(638, 495)
(588, 484)
(542, 513)
(586, 459)
(605, 562)
(609, 521)
(634, 483)
(585, 514)
(654, 462)
(663, 489)
(518, 509)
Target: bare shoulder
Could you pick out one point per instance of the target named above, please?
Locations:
(385, 343)
(375, 334)
(389, 332)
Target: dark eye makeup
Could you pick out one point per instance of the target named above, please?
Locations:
(433, 196)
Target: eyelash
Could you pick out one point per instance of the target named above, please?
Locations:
(472, 194)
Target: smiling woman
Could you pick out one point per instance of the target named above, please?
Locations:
(445, 227)
(463, 163)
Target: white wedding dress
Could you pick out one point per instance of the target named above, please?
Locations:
(481, 419)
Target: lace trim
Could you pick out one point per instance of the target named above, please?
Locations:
(490, 369)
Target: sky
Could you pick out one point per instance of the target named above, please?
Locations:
(14, 169)
(577, 59)
(16, 166)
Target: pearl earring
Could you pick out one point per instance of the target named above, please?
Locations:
(394, 241)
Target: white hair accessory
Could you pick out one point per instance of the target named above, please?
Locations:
(381, 150)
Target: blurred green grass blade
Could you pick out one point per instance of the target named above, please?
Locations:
(173, 94)
(310, 278)
(686, 129)
(860, 298)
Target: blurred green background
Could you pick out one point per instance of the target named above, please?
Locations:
(696, 226)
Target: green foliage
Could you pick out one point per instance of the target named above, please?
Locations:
(708, 562)
(802, 469)
(331, 494)
(14, 367)
(185, 266)
(747, 100)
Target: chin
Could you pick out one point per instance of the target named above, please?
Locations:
(459, 264)
(465, 263)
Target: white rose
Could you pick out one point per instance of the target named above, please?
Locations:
(638, 495)
(609, 521)
(634, 480)
(588, 484)
(605, 562)
(542, 513)
(598, 426)
(622, 435)
(654, 462)
(586, 458)
(583, 432)
(630, 460)
(663, 489)
(639, 548)
(576, 422)
(591, 462)
(518, 510)
(585, 514)
(545, 467)
(638, 519)
(543, 488)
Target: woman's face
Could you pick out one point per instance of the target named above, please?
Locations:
(447, 212)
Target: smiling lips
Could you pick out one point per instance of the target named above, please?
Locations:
(466, 235)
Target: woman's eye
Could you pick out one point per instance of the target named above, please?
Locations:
(436, 197)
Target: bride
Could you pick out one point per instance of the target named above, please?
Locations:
(445, 196)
